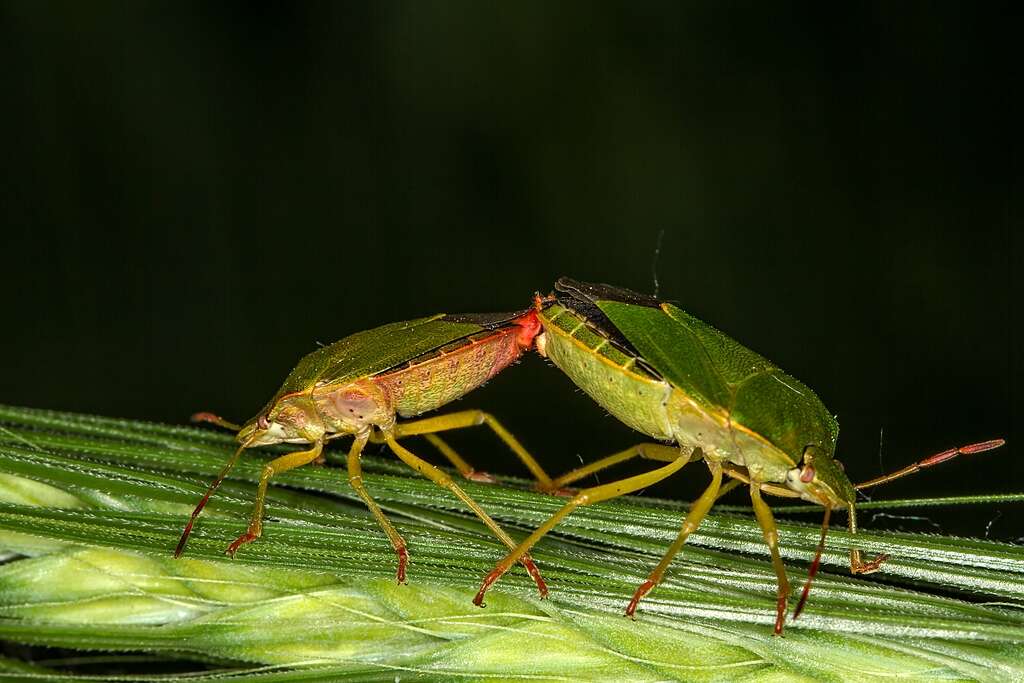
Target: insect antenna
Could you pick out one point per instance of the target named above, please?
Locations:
(214, 420)
(654, 262)
(209, 492)
(931, 460)
(814, 565)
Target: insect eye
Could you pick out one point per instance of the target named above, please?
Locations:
(262, 422)
(807, 474)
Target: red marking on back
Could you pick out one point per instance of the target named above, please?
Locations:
(529, 328)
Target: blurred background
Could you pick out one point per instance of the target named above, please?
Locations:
(195, 194)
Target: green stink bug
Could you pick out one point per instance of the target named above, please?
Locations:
(357, 386)
(678, 380)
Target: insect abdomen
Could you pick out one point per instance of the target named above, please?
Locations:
(442, 376)
(607, 373)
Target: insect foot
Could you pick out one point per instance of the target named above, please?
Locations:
(247, 537)
(641, 591)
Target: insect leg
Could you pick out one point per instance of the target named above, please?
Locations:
(585, 497)
(444, 481)
(275, 466)
(815, 564)
(206, 498)
(763, 513)
(740, 474)
(464, 468)
(857, 564)
(694, 517)
(472, 418)
(355, 479)
(450, 454)
(728, 486)
(648, 451)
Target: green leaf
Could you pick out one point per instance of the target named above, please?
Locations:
(93, 508)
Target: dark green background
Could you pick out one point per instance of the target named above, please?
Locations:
(195, 194)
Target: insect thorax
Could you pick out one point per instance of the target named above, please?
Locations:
(354, 407)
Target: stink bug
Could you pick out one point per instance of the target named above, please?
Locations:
(359, 385)
(680, 381)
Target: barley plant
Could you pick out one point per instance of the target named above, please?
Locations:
(91, 509)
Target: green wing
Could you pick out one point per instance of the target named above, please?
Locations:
(720, 373)
(372, 351)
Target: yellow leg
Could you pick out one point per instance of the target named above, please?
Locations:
(771, 536)
(648, 451)
(275, 466)
(464, 468)
(355, 479)
(726, 487)
(450, 454)
(740, 474)
(694, 517)
(857, 563)
(588, 496)
(444, 481)
(461, 420)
